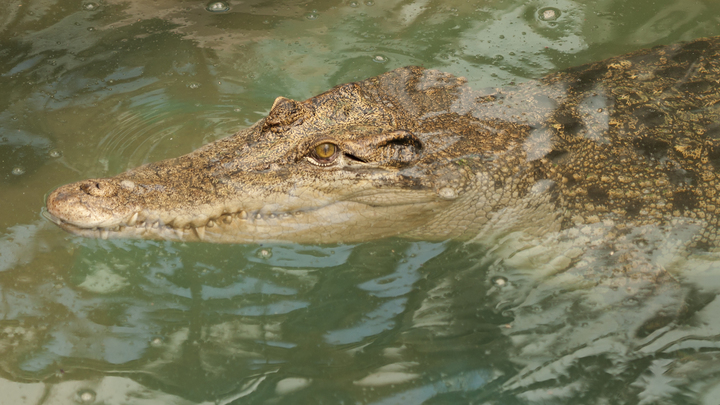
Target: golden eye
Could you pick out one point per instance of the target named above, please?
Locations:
(325, 151)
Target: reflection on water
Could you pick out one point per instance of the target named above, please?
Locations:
(94, 88)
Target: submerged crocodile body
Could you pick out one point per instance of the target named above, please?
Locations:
(629, 141)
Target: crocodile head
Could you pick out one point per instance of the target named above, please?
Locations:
(365, 160)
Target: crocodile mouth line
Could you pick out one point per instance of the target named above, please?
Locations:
(134, 225)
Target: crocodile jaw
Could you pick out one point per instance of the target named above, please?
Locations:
(321, 226)
(123, 208)
(324, 225)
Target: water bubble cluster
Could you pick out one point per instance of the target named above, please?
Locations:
(379, 59)
(90, 6)
(18, 170)
(193, 85)
(217, 7)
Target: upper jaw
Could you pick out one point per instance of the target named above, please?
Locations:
(148, 228)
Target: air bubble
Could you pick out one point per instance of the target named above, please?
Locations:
(193, 85)
(90, 6)
(549, 14)
(86, 396)
(264, 253)
(18, 170)
(217, 7)
(369, 3)
(156, 342)
(55, 153)
(499, 281)
(353, 4)
(379, 59)
(312, 16)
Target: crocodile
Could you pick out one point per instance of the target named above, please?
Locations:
(630, 141)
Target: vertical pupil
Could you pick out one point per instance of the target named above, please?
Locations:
(325, 150)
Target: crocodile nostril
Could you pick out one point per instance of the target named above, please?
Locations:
(98, 188)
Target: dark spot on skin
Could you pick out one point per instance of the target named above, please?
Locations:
(687, 56)
(713, 131)
(597, 194)
(714, 154)
(566, 223)
(649, 116)
(587, 79)
(699, 45)
(674, 72)
(499, 184)
(699, 86)
(652, 147)
(557, 156)
(633, 208)
(684, 200)
(570, 122)
(570, 181)
(680, 177)
(702, 245)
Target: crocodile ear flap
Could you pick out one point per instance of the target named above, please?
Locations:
(394, 148)
(284, 114)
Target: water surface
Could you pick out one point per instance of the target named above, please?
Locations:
(93, 88)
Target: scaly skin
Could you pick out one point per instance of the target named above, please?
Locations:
(630, 141)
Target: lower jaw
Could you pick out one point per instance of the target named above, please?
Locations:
(331, 227)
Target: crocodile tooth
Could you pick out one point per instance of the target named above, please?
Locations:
(179, 232)
(243, 215)
(200, 232)
(210, 223)
(104, 233)
(140, 224)
(271, 216)
(155, 224)
(133, 219)
(258, 216)
(227, 219)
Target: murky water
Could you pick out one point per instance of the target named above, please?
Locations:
(92, 88)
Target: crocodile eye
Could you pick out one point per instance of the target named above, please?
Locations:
(325, 150)
(324, 154)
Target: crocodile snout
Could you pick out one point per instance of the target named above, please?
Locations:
(86, 202)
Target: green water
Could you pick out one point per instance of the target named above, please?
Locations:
(92, 88)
